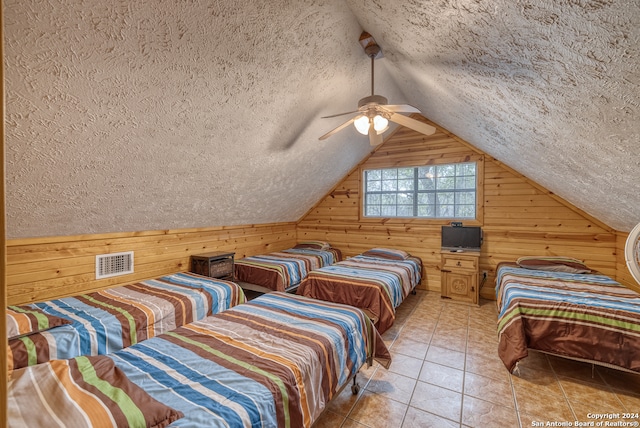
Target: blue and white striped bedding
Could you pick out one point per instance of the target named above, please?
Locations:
(112, 319)
(589, 317)
(275, 361)
(283, 270)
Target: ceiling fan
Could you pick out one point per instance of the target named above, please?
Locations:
(373, 111)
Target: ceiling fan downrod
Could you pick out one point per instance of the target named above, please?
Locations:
(372, 52)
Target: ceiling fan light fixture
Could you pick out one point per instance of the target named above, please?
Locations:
(380, 124)
(362, 125)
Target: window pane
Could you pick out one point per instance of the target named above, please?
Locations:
(388, 199)
(406, 173)
(374, 174)
(465, 211)
(466, 169)
(426, 211)
(465, 198)
(373, 211)
(388, 211)
(426, 198)
(445, 211)
(405, 185)
(374, 186)
(446, 170)
(389, 185)
(405, 210)
(427, 172)
(405, 199)
(465, 183)
(373, 199)
(426, 184)
(446, 183)
(389, 173)
(445, 198)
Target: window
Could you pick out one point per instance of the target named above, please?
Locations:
(434, 191)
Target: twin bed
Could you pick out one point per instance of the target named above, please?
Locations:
(559, 306)
(275, 361)
(284, 270)
(376, 281)
(109, 320)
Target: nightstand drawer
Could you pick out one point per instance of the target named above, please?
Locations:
(458, 262)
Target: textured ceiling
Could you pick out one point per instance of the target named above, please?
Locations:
(125, 116)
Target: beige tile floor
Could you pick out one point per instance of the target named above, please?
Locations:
(446, 373)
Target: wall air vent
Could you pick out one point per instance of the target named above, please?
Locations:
(108, 265)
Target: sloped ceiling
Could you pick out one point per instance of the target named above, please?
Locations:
(124, 116)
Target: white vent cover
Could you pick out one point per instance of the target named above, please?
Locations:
(108, 265)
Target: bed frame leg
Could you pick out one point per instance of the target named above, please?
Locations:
(355, 388)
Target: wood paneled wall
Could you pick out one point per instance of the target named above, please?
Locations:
(518, 216)
(46, 268)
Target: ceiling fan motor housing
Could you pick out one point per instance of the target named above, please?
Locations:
(372, 99)
(372, 50)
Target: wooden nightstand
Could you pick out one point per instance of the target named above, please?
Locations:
(218, 264)
(459, 276)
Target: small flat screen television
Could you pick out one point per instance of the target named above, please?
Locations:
(463, 238)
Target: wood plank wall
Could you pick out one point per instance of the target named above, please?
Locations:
(46, 268)
(518, 216)
(623, 275)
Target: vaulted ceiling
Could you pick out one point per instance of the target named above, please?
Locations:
(137, 115)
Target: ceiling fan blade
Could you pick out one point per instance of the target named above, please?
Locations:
(375, 139)
(339, 114)
(339, 128)
(403, 108)
(416, 125)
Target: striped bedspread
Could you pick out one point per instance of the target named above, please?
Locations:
(275, 361)
(82, 392)
(582, 316)
(375, 285)
(112, 319)
(282, 270)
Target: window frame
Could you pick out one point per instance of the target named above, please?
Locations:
(477, 221)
